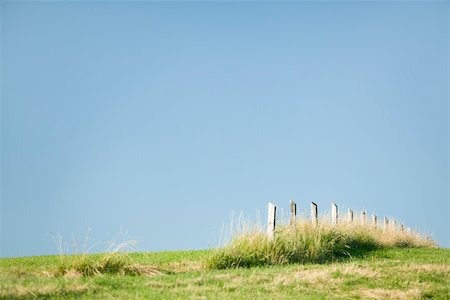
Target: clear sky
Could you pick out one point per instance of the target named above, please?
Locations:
(162, 118)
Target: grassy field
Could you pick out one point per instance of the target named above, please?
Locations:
(396, 273)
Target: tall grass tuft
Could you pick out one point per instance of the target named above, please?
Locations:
(115, 260)
(107, 263)
(305, 242)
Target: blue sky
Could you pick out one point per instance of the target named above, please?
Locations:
(161, 119)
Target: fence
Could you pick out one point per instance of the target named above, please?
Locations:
(272, 214)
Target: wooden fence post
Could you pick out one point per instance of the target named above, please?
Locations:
(314, 213)
(374, 220)
(363, 218)
(271, 218)
(386, 223)
(293, 207)
(334, 214)
(350, 216)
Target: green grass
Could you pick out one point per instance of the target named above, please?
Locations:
(391, 273)
(303, 260)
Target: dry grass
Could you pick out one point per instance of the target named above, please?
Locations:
(44, 291)
(379, 293)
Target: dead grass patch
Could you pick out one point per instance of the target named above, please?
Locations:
(313, 275)
(358, 271)
(144, 270)
(389, 294)
(48, 290)
(441, 268)
(186, 266)
(71, 274)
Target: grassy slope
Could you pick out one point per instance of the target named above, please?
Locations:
(382, 274)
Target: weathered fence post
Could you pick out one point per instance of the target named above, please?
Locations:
(334, 214)
(374, 220)
(386, 223)
(363, 218)
(293, 206)
(314, 213)
(271, 218)
(350, 216)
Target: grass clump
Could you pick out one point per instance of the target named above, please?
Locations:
(305, 242)
(96, 265)
(115, 261)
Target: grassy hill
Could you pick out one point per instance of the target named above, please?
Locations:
(394, 273)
